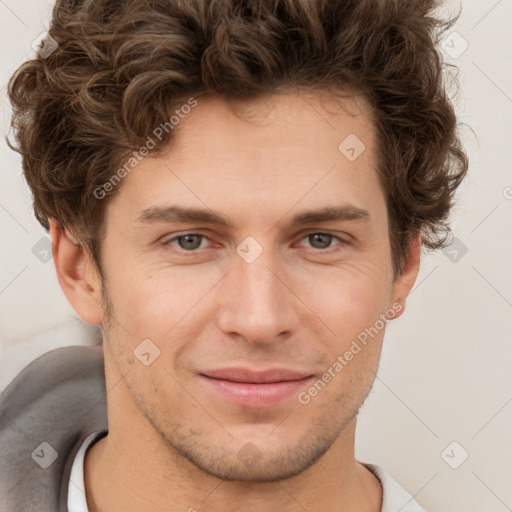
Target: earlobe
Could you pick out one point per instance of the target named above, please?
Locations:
(77, 274)
(405, 281)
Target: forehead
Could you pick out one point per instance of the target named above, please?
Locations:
(261, 155)
(291, 124)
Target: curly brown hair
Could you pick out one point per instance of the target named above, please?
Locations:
(121, 66)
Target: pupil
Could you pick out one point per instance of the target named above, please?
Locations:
(190, 241)
(323, 238)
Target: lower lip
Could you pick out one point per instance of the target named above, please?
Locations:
(256, 395)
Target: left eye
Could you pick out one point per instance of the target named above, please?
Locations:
(188, 242)
(321, 240)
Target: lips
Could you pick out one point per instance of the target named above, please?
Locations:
(255, 377)
(250, 388)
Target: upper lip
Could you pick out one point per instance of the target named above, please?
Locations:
(255, 376)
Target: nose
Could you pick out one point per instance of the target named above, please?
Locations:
(258, 304)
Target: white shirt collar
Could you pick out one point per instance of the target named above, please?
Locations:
(77, 501)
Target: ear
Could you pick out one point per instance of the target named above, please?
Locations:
(77, 274)
(405, 281)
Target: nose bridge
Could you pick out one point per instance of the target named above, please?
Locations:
(257, 305)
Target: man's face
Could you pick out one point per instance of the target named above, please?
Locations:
(260, 293)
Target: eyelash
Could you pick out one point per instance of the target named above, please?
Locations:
(193, 251)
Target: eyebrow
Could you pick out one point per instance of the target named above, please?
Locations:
(171, 213)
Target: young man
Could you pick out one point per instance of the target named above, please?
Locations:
(237, 193)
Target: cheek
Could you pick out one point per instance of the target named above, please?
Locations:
(347, 299)
(169, 306)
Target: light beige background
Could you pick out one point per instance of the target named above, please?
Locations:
(445, 373)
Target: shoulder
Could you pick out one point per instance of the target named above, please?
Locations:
(46, 412)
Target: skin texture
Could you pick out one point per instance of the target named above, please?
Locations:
(174, 443)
